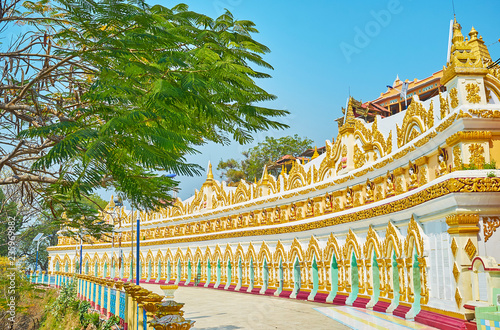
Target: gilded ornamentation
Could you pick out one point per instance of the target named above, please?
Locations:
(476, 155)
(454, 97)
(485, 113)
(430, 115)
(423, 176)
(458, 298)
(389, 143)
(487, 93)
(453, 185)
(470, 249)
(447, 123)
(462, 114)
(468, 136)
(490, 225)
(403, 152)
(457, 157)
(442, 165)
(463, 223)
(359, 157)
(349, 198)
(369, 191)
(416, 121)
(456, 272)
(399, 185)
(413, 176)
(425, 139)
(383, 163)
(444, 106)
(472, 93)
(454, 247)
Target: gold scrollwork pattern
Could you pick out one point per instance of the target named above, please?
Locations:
(472, 93)
(490, 225)
(454, 97)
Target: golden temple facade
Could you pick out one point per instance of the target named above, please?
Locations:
(399, 214)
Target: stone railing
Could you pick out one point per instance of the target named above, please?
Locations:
(135, 306)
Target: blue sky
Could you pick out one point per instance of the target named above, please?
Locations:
(318, 54)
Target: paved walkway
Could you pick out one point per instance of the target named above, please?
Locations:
(218, 309)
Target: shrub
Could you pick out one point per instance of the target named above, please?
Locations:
(490, 166)
(82, 311)
(110, 322)
(67, 299)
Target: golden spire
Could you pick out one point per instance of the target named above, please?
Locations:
(473, 34)
(210, 175)
(350, 112)
(466, 56)
(315, 154)
(457, 32)
(265, 176)
(111, 202)
(282, 169)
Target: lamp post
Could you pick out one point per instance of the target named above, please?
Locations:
(37, 239)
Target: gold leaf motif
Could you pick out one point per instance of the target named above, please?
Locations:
(485, 113)
(359, 157)
(456, 272)
(454, 98)
(444, 106)
(476, 155)
(415, 116)
(447, 123)
(490, 225)
(457, 157)
(472, 93)
(454, 247)
(470, 249)
(423, 176)
(458, 298)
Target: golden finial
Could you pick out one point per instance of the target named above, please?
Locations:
(473, 33)
(111, 202)
(255, 179)
(457, 32)
(315, 154)
(265, 175)
(210, 175)
(282, 169)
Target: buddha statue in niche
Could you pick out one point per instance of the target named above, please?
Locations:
(328, 203)
(369, 191)
(389, 190)
(442, 165)
(412, 176)
(348, 198)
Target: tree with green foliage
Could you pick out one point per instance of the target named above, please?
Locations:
(10, 222)
(264, 153)
(26, 248)
(113, 93)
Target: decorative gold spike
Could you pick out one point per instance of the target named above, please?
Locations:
(458, 298)
(210, 175)
(454, 247)
(470, 249)
(315, 154)
(456, 272)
